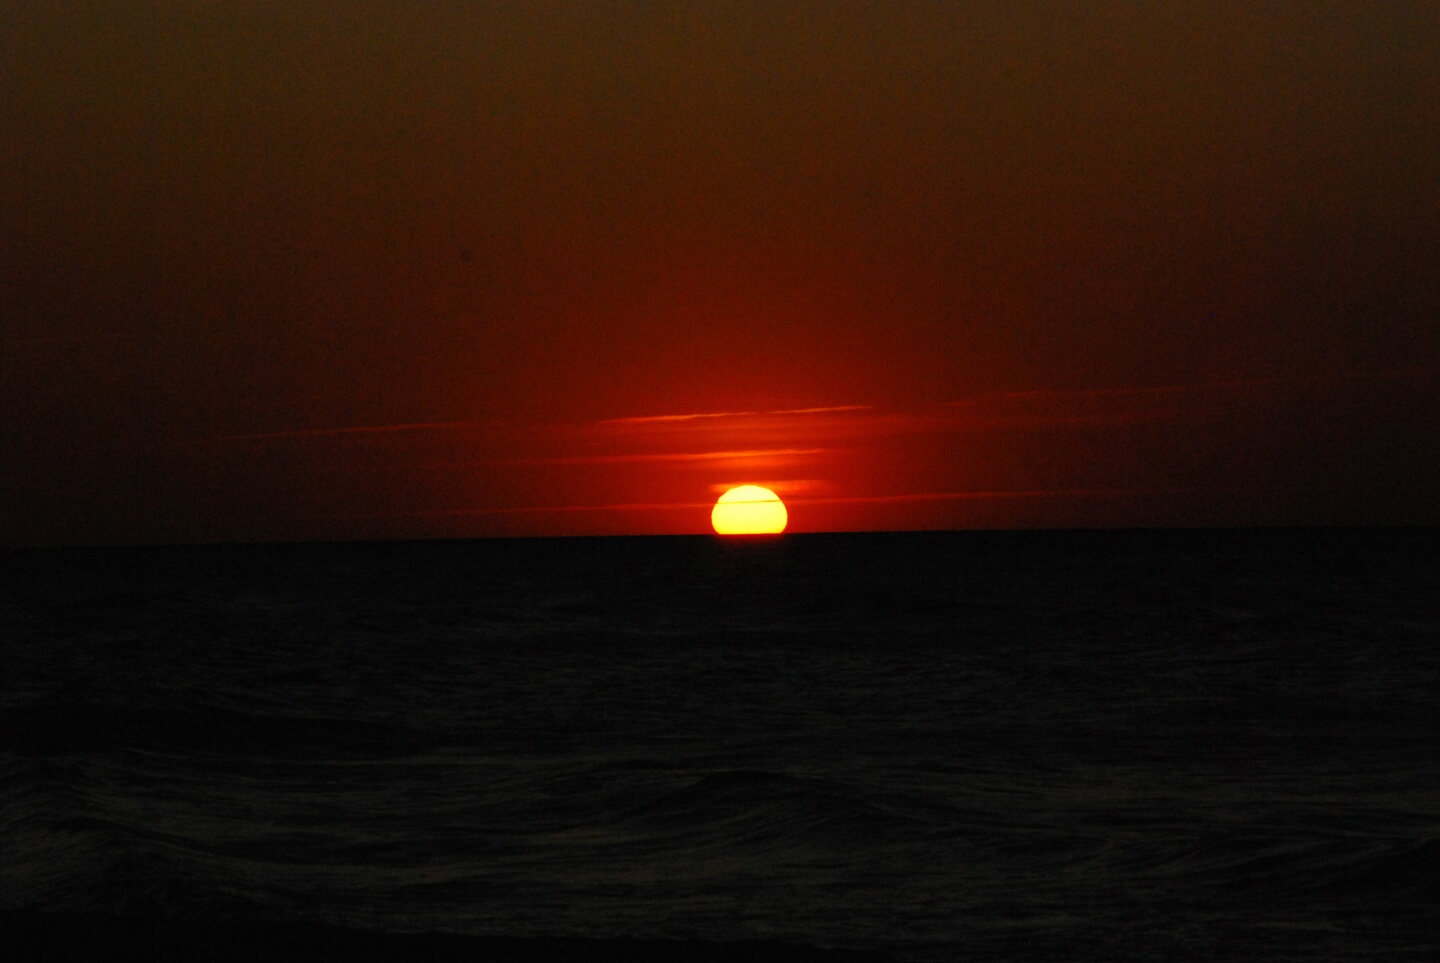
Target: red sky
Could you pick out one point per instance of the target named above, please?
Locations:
(383, 269)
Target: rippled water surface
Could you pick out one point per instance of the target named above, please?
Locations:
(968, 745)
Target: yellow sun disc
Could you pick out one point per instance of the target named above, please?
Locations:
(749, 510)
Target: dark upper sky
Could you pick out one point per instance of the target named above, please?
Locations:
(387, 269)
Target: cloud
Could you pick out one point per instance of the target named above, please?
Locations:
(660, 419)
(819, 411)
(1078, 493)
(1196, 387)
(697, 416)
(45, 341)
(757, 453)
(948, 496)
(543, 509)
(354, 430)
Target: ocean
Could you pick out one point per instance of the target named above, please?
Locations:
(1107, 745)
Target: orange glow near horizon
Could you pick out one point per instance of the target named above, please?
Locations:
(749, 510)
(546, 270)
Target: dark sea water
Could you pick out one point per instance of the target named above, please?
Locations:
(959, 746)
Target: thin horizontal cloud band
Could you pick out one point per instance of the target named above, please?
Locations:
(351, 430)
(1200, 387)
(1098, 493)
(667, 456)
(695, 416)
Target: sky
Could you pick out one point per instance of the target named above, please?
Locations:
(375, 269)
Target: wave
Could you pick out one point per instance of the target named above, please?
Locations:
(68, 726)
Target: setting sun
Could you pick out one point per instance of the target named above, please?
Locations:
(749, 510)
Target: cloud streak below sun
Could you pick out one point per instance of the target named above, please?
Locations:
(385, 262)
(964, 463)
